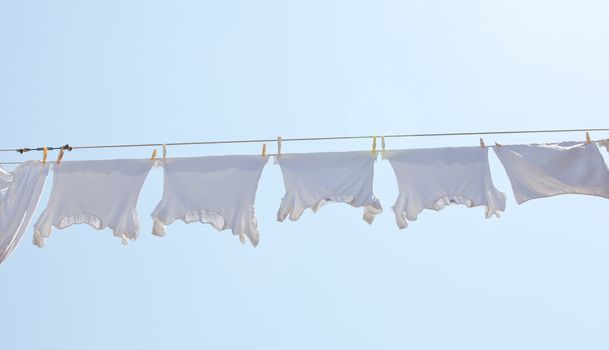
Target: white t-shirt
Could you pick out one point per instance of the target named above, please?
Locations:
(543, 170)
(313, 179)
(219, 191)
(101, 193)
(21, 195)
(435, 177)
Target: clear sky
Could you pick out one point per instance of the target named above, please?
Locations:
(98, 72)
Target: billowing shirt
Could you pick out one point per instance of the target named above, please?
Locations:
(432, 178)
(219, 191)
(313, 179)
(543, 170)
(22, 189)
(101, 193)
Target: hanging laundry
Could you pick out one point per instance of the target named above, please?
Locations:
(219, 191)
(101, 193)
(435, 177)
(314, 179)
(21, 192)
(543, 170)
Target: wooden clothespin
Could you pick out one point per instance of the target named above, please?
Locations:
(278, 146)
(60, 155)
(164, 152)
(373, 144)
(45, 153)
(383, 143)
(588, 138)
(153, 157)
(482, 144)
(263, 150)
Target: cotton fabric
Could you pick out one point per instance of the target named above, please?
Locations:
(219, 191)
(21, 192)
(543, 170)
(435, 177)
(101, 193)
(5, 180)
(314, 179)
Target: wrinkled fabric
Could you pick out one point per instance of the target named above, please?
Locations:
(101, 193)
(314, 179)
(543, 170)
(435, 177)
(22, 189)
(5, 180)
(219, 191)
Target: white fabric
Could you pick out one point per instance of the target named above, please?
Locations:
(604, 143)
(101, 193)
(314, 179)
(5, 180)
(435, 177)
(544, 170)
(22, 193)
(219, 191)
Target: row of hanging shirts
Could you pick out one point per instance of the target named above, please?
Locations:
(221, 190)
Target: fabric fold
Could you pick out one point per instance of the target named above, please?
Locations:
(21, 192)
(219, 191)
(433, 178)
(100, 193)
(5, 180)
(544, 170)
(314, 179)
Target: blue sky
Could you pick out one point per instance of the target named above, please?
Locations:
(84, 72)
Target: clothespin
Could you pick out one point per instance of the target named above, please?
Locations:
(373, 144)
(263, 150)
(383, 143)
(45, 153)
(278, 146)
(497, 144)
(60, 155)
(153, 157)
(164, 152)
(482, 143)
(588, 138)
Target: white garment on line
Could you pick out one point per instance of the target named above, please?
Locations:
(219, 191)
(314, 179)
(432, 178)
(543, 170)
(101, 193)
(22, 190)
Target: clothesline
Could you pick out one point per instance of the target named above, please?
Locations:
(221, 190)
(298, 139)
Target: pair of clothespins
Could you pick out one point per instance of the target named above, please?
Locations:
(154, 153)
(374, 144)
(279, 139)
(483, 145)
(45, 152)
